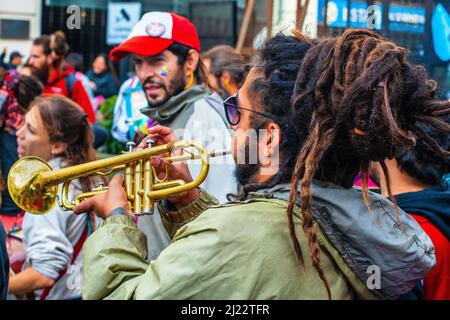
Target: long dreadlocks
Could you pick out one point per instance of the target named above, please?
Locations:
(356, 100)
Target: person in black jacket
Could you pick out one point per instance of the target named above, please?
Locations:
(102, 76)
(4, 264)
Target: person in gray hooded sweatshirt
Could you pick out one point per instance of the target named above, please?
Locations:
(165, 51)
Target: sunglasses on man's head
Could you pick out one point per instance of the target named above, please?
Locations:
(234, 115)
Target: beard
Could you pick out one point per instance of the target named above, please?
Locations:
(245, 172)
(176, 86)
(40, 73)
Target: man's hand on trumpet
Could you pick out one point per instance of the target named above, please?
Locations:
(174, 170)
(103, 203)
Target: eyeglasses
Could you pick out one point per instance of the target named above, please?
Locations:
(232, 110)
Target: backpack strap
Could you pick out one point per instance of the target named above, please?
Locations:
(127, 94)
(70, 83)
(129, 112)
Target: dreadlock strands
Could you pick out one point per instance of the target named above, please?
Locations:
(362, 82)
(339, 76)
(364, 173)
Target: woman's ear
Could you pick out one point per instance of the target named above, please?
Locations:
(227, 81)
(51, 58)
(58, 148)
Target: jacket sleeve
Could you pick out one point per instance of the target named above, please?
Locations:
(80, 96)
(174, 220)
(115, 265)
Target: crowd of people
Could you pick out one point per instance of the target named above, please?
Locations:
(339, 160)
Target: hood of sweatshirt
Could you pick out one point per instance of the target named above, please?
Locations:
(432, 203)
(169, 110)
(382, 240)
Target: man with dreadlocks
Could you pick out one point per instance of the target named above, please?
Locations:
(349, 99)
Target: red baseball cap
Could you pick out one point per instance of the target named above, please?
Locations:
(154, 33)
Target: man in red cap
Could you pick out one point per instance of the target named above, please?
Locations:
(165, 50)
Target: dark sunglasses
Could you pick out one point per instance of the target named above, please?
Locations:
(234, 115)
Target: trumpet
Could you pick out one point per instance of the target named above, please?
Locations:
(34, 186)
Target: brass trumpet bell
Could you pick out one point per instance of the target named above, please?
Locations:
(27, 194)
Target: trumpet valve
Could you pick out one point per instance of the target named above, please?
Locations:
(149, 142)
(130, 145)
(149, 212)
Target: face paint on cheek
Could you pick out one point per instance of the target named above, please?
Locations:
(165, 71)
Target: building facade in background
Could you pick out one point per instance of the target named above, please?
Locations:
(423, 26)
(20, 22)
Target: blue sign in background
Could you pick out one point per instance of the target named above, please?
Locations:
(440, 26)
(401, 18)
(409, 19)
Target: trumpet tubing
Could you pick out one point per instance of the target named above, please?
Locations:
(33, 185)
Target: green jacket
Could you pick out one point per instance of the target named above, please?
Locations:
(235, 251)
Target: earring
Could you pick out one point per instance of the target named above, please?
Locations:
(228, 87)
(191, 81)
